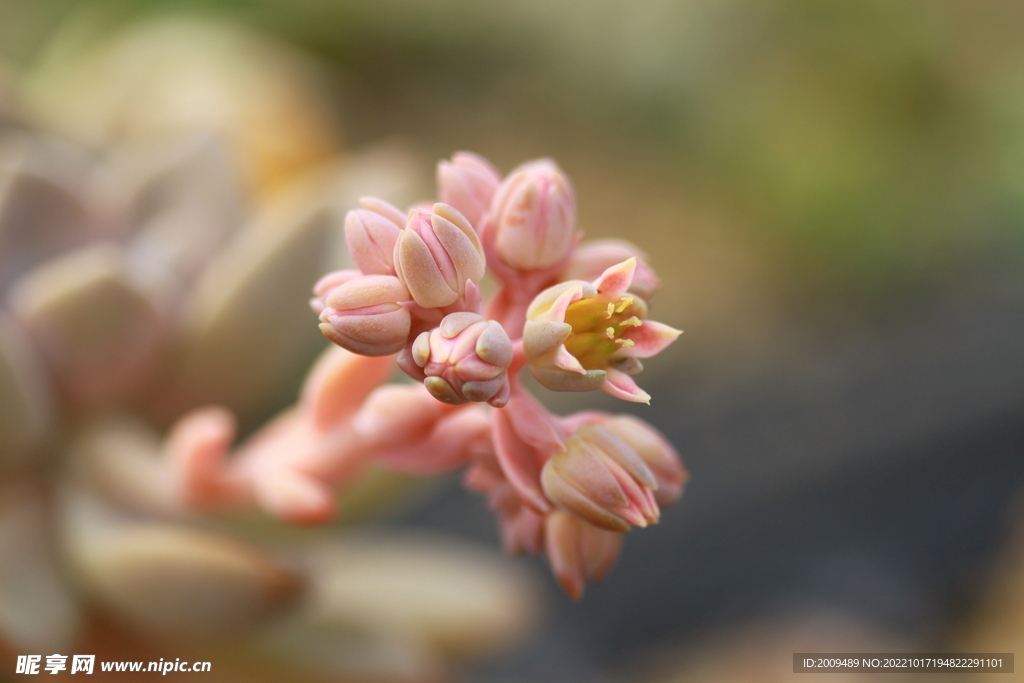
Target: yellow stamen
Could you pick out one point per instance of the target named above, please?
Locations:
(597, 328)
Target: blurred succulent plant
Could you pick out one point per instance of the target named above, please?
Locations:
(141, 276)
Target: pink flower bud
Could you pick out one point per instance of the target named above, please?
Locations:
(436, 253)
(327, 284)
(534, 214)
(593, 257)
(468, 183)
(365, 315)
(465, 359)
(522, 529)
(371, 233)
(601, 479)
(656, 452)
(578, 552)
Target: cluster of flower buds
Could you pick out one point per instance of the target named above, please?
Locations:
(574, 313)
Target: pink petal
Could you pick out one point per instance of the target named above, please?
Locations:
(335, 279)
(501, 398)
(520, 463)
(562, 543)
(396, 416)
(522, 533)
(293, 496)
(565, 495)
(557, 311)
(480, 479)
(600, 549)
(473, 299)
(533, 423)
(621, 385)
(420, 273)
(650, 339)
(338, 384)
(614, 282)
(467, 182)
(563, 360)
(590, 475)
(639, 496)
(197, 446)
(379, 206)
(570, 423)
(448, 446)
(371, 240)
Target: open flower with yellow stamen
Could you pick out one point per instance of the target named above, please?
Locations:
(581, 336)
